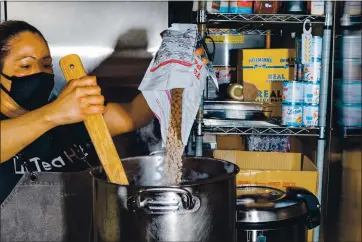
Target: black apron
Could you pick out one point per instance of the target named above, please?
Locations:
(49, 206)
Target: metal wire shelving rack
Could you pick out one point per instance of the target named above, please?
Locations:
(264, 18)
(241, 127)
(352, 132)
(234, 127)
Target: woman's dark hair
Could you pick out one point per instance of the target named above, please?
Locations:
(10, 29)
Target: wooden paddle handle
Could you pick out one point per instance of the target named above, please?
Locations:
(72, 68)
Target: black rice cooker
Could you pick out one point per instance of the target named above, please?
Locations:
(265, 214)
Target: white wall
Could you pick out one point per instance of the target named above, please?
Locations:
(90, 29)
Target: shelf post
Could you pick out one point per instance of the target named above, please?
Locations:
(201, 19)
(3, 11)
(323, 104)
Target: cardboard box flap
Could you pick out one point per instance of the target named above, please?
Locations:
(308, 165)
(230, 142)
(249, 160)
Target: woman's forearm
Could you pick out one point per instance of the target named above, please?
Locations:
(19, 132)
(141, 113)
(123, 118)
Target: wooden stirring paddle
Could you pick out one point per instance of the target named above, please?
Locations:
(72, 68)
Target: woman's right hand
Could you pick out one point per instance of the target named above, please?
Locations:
(79, 99)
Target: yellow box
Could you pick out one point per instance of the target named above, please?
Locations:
(230, 142)
(225, 36)
(273, 169)
(267, 69)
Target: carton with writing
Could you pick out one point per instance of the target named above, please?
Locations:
(266, 69)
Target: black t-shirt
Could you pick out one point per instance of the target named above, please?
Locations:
(58, 150)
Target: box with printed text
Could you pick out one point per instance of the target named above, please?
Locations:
(266, 69)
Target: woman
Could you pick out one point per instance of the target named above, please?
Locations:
(38, 135)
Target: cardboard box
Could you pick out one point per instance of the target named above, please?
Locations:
(230, 142)
(273, 169)
(266, 69)
(305, 145)
(209, 141)
(349, 219)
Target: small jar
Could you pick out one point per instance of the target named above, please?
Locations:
(235, 91)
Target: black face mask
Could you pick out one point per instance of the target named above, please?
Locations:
(30, 92)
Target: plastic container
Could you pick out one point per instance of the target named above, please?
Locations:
(292, 114)
(348, 69)
(224, 6)
(317, 44)
(351, 115)
(224, 75)
(245, 7)
(228, 42)
(317, 7)
(213, 6)
(351, 46)
(216, 6)
(298, 72)
(292, 92)
(352, 7)
(350, 92)
(352, 69)
(311, 92)
(296, 7)
(310, 115)
(266, 7)
(312, 71)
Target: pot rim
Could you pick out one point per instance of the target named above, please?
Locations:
(186, 184)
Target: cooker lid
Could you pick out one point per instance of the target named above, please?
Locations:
(258, 196)
(258, 204)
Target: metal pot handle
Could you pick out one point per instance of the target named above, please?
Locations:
(311, 202)
(163, 200)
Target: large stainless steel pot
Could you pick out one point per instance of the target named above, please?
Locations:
(201, 209)
(273, 215)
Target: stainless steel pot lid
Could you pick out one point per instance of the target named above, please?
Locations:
(258, 204)
(249, 195)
